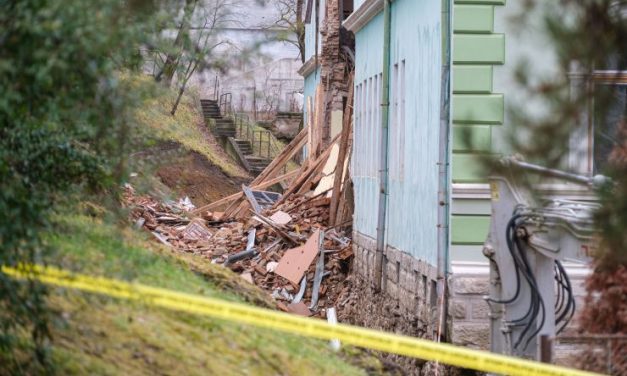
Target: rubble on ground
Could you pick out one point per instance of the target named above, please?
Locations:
(217, 241)
(291, 248)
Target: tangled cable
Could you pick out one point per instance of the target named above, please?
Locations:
(516, 237)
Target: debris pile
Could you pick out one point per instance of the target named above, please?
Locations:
(290, 244)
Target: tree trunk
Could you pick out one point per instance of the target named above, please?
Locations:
(171, 62)
(300, 29)
(187, 76)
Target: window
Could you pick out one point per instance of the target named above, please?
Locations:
(609, 112)
(367, 137)
(346, 8)
(397, 122)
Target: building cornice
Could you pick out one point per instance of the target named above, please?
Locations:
(309, 66)
(360, 17)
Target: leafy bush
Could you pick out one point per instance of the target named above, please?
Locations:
(64, 127)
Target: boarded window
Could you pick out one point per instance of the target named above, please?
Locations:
(397, 122)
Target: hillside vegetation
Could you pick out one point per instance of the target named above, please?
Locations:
(98, 335)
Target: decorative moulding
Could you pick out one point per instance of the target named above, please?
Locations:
(360, 17)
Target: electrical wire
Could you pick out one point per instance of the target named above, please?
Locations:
(536, 300)
(536, 313)
(569, 311)
(508, 237)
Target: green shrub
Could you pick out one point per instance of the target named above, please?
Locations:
(64, 127)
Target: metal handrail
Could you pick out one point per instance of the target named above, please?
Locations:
(225, 104)
(264, 138)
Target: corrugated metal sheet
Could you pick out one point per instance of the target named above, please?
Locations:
(416, 55)
(365, 166)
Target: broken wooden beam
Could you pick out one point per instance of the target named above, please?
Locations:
(306, 176)
(238, 195)
(342, 156)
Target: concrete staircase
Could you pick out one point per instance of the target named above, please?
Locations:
(252, 163)
(224, 127)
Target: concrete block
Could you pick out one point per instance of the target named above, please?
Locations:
(406, 300)
(406, 279)
(480, 310)
(471, 285)
(458, 310)
(392, 255)
(475, 335)
(391, 289)
(391, 271)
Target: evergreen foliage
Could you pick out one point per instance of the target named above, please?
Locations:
(64, 127)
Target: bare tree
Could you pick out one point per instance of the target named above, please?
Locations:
(290, 24)
(174, 52)
(202, 52)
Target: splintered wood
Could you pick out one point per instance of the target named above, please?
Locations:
(297, 251)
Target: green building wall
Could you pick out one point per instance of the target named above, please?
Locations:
(476, 111)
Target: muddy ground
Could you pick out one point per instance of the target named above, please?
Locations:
(191, 174)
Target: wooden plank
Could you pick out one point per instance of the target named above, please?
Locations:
(344, 141)
(276, 228)
(238, 195)
(317, 123)
(310, 122)
(251, 199)
(295, 262)
(290, 150)
(298, 182)
(286, 154)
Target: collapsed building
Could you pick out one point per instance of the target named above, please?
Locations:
(391, 89)
(426, 76)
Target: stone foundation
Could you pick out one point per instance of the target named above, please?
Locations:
(406, 304)
(469, 313)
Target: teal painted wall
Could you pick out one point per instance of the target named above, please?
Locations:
(309, 90)
(367, 120)
(310, 31)
(416, 56)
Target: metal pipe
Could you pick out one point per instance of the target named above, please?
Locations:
(444, 167)
(578, 179)
(444, 146)
(383, 156)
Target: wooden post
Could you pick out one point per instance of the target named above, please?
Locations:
(546, 349)
(341, 158)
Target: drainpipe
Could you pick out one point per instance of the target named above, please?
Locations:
(383, 157)
(443, 170)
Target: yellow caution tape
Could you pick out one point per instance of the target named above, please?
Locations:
(308, 327)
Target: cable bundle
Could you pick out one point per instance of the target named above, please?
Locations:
(516, 236)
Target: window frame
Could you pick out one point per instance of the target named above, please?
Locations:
(581, 154)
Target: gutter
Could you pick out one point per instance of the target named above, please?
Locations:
(383, 156)
(444, 188)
